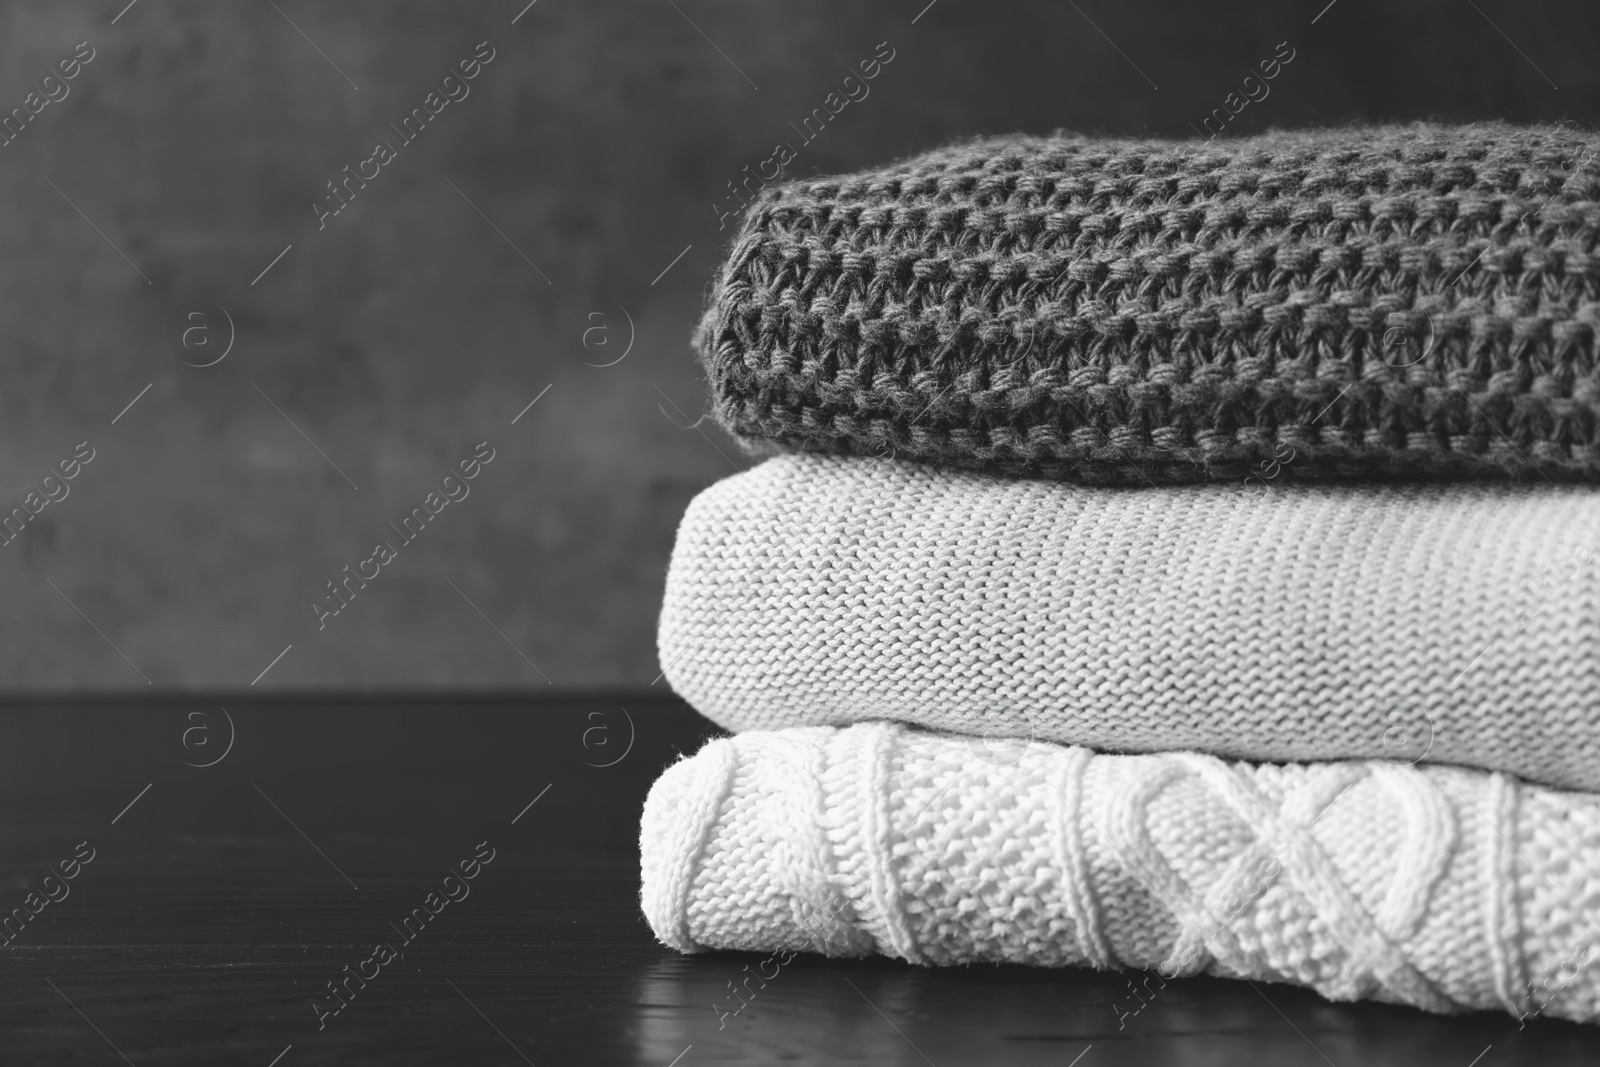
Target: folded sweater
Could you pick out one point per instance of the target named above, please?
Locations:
(1458, 624)
(1437, 887)
(1406, 302)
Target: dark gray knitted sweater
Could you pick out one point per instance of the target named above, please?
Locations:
(1393, 302)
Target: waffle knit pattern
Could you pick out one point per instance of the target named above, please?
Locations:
(1414, 302)
(1310, 622)
(1438, 887)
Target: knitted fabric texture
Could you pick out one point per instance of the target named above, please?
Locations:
(1393, 302)
(1310, 622)
(1437, 887)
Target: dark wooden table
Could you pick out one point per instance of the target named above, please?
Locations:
(221, 903)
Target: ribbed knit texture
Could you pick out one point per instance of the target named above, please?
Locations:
(1438, 887)
(1142, 311)
(1312, 622)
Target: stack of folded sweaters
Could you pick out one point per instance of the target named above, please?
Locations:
(1169, 554)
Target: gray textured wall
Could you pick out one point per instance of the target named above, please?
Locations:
(408, 329)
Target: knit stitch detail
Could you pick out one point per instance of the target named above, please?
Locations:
(694, 797)
(1078, 894)
(883, 889)
(1504, 926)
(806, 827)
(1146, 311)
(1451, 623)
(1431, 838)
(975, 857)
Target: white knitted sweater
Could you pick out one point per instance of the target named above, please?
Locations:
(1438, 887)
(1460, 623)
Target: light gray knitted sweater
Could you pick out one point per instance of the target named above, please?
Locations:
(1454, 624)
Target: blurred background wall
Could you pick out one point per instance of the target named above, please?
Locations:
(577, 177)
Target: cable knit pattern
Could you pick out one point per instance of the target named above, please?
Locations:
(1434, 887)
(1312, 622)
(1142, 311)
